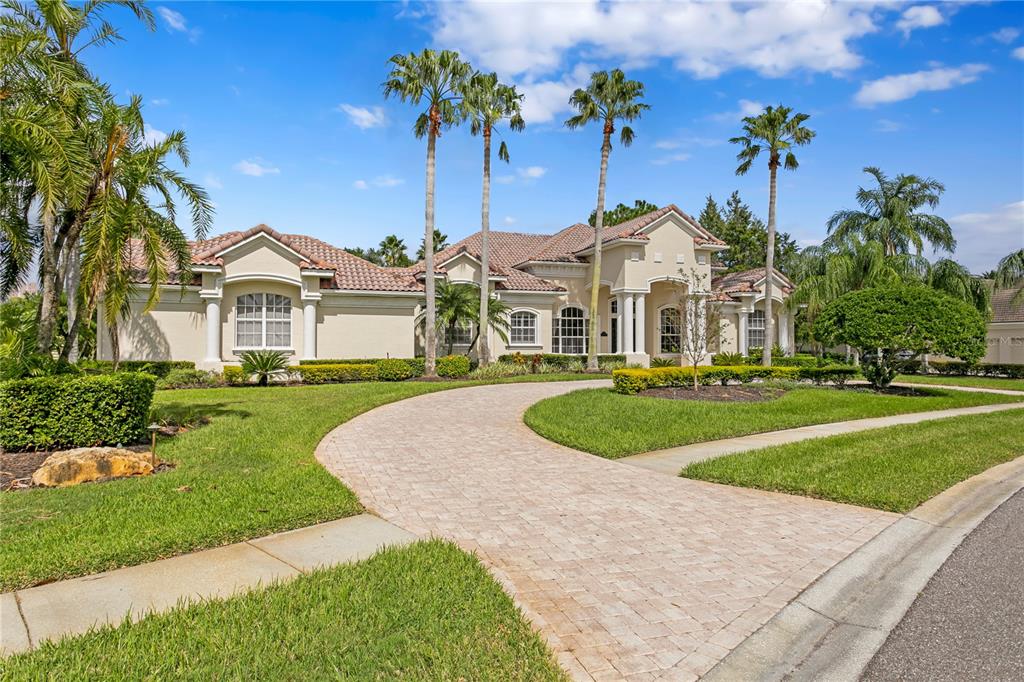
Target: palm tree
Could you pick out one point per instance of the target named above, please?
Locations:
(1010, 273)
(437, 79)
(456, 308)
(951, 278)
(889, 215)
(392, 252)
(776, 132)
(440, 243)
(487, 103)
(609, 97)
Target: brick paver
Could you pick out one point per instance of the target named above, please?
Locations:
(627, 573)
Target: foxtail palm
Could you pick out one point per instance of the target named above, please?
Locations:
(487, 103)
(889, 214)
(436, 79)
(610, 97)
(775, 132)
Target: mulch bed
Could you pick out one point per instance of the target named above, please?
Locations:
(729, 394)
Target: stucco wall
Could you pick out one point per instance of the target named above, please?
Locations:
(1005, 343)
(174, 330)
(365, 327)
(230, 348)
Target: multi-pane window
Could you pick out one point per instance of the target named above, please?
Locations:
(670, 330)
(263, 321)
(755, 329)
(523, 328)
(569, 332)
(460, 335)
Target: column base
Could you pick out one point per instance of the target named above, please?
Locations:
(642, 359)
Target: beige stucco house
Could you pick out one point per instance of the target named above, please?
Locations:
(1006, 329)
(300, 295)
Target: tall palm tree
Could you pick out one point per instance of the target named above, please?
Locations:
(609, 97)
(775, 132)
(889, 214)
(392, 252)
(487, 103)
(436, 79)
(1010, 273)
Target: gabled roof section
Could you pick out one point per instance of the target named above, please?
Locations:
(747, 281)
(212, 250)
(636, 226)
(1003, 308)
(507, 249)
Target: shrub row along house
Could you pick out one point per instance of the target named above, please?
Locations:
(262, 289)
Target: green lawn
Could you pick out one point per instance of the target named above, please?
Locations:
(896, 468)
(250, 472)
(424, 612)
(974, 382)
(613, 425)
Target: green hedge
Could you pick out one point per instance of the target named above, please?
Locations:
(798, 360)
(188, 378)
(415, 364)
(330, 374)
(979, 369)
(557, 359)
(158, 368)
(452, 366)
(70, 411)
(830, 374)
(630, 381)
(393, 370)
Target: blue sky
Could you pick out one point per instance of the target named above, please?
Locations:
(287, 125)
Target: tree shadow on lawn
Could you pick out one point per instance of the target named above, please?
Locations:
(192, 415)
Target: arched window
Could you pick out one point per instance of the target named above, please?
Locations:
(670, 330)
(755, 329)
(263, 321)
(569, 332)
(523, 330)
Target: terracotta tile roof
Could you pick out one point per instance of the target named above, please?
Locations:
(745, 280)
(1003, 309)
(508, 249)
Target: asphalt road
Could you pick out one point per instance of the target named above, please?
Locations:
(968, 622)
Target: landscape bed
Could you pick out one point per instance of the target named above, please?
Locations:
(612, 425)
(1004, 384)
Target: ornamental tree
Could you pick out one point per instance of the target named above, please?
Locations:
(887, 323)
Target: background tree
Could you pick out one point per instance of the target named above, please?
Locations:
(439, 243)
(609, 97)
(621, 213)
(1010, 274)
(487, 103)
(369, 255)
(889, 214)
(436, 79)
(775, 132)
(392, 252)
(746, 236)
(885, 323)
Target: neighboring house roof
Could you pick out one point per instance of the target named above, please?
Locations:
(1003, 308)
(746, 282)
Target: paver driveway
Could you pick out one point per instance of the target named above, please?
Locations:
(628, 573)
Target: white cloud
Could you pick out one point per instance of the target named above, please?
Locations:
(361, 184)
(212, 181)
(1005, 35)
(545, 99)
(745, 107)
(176, 22)
(1018, 52)
(256, 167)
(671, 158)
(159, 102)
(151, 136)
(364, 117)
(532, 172)
(885, 125)
(906, 85)
(509, 220)
(920, 16)
(703, 39)
(986, 236)
(383, 181)
(688, 141)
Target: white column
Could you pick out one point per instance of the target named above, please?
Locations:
(701, 328)
(743, 331)
(641, 324)
(627, 331)
(621, 343)
(213, 330)
(309, 330)
(784, 332)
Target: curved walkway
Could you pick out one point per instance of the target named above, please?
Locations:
(626, 573)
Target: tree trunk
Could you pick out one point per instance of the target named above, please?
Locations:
(430, 332)
(115, 345)
(49, 293)
(769, 321)
(69, 352)
(595, 281)
(484, 351)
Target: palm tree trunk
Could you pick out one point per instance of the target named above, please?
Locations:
(49, 298)
(115, 345)
(69, 353)
(430, 332)
(595, 281)
(769, 321)
(484, 352)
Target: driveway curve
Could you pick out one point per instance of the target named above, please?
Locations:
(626, 572)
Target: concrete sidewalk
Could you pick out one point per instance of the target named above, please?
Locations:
(672, 460)
(70, 607)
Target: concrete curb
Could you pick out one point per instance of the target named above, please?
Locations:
(836, 626)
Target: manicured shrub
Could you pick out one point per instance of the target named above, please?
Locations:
(452, 366)
(415, 364)
(499, 370)
(631, 381)
(158, 368)
(725, 359)
(329, 374)
(393, 370)
(233, 376)
(829, 374)
(187, 378)
(981, 369)
(558, 359)
(798, 360)
(69, 411)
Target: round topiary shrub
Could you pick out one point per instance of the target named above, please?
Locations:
(453, 366)
(393, 370)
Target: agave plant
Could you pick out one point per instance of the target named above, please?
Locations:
(264, 364)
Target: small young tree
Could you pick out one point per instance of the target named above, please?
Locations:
(700, 319)
(888, 324)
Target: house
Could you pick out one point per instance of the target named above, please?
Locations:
(263, 289)
(1006, 328)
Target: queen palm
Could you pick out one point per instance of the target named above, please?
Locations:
(436, 79)
(608, 98)
(487, 103)
(392, 252)
(775, 132)
(889, 214)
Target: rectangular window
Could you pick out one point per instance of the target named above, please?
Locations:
(657, 256)
(263, 321)
(461, 335)
(702, 259)
(523, 329)
(671, 329)
(569, 332)
(755, 329)
(679, 259)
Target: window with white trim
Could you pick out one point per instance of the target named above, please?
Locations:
(460, 335)
(755, 329)
(670, 330)
(523, 331)
(569, 332)
(263, 321)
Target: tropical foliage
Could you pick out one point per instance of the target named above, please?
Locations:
(263, 365)
(1010, 274)
(457, 311)
(747, 236)
(621, 213)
